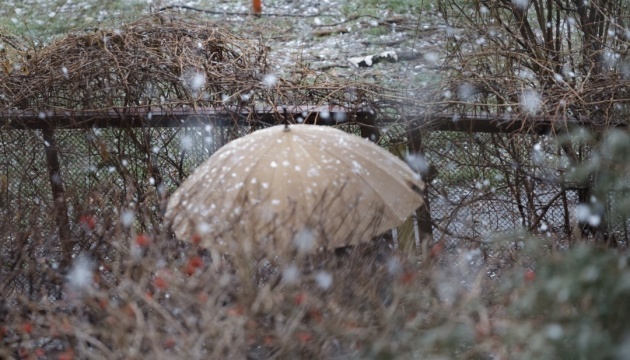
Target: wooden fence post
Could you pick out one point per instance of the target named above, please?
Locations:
(60, 206)
(423, 214)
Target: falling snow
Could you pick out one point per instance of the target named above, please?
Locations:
(520, 4)
(324, 279)
(465, 91)
(186, 142)
(80, 276)
(270, 80)
(127, 217)
(291, 274)
(417, 163)
(304, 241)
(530, 101)
(584, 213)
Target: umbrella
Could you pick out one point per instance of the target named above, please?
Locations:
(298, 187)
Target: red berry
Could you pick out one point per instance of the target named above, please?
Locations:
(143, 240)
(530, 275)
(160, 283)
(88, 221)
(304, 337)
(27, 328)
(67, 355)
(299, 298)
(196, 261)
(196, 239)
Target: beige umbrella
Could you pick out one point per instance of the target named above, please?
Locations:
(294, 187)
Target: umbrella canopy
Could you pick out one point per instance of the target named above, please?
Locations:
(294, 187)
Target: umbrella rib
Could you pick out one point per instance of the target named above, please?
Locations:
(400, 181)
(229, 170)
(362, 179)
(396, 163)
(300, 177)
(253, 165)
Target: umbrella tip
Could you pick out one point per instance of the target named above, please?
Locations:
(286, 119)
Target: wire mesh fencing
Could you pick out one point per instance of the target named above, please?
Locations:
(486, 184)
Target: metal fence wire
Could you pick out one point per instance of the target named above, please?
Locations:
(486, 184)
(489, 185)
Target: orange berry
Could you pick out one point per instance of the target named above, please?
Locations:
(189, 269)
(102, 303)
(236, 311)
(437, 249)
(257, 6)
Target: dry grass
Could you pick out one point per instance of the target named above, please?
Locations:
(137, 295)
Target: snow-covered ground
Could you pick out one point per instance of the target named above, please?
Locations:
(320, 34)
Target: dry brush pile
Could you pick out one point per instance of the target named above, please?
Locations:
(163, 61)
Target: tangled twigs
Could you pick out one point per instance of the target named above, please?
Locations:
(535, 59)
